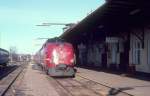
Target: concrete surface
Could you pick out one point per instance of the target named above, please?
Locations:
(130, 85)
(35, 83)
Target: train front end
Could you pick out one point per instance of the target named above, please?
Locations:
(62, 59)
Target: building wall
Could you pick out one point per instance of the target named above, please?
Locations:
(140, 57)
(94, 54)
(82, 54)
(91, 54)
(114, 50)
(145, 67)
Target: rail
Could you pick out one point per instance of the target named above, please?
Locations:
(9, 80)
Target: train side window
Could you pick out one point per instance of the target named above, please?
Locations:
(2, 52)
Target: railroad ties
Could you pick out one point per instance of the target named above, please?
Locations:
(9, 77)
(80, 86)
(77, 86)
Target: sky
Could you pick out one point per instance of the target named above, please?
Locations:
(18, 20)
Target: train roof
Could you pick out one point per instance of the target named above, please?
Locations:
(53, 40)
(3, 50)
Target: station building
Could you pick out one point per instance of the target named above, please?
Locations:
(116, 36)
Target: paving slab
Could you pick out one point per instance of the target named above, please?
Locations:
(129, 85)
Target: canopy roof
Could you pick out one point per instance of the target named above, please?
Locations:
(111, 17)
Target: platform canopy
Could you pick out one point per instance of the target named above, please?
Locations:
(113, 16)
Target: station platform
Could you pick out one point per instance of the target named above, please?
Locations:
(132, 86)
(34, 82)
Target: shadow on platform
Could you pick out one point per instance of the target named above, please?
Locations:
(136, 75)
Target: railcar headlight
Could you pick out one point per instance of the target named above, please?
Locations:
(72, 60)
(55, 57)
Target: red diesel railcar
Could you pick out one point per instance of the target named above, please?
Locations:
(57, 58)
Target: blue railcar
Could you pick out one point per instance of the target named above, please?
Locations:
(4, 57)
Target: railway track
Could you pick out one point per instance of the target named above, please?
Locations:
(7, 70)
(7, 82)
(81, 86)
(101, 88)
(72, 87)
(76, 88)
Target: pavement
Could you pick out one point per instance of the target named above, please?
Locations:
(129, 85)
(35, 83)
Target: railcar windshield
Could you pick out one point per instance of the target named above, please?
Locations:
(56, 40)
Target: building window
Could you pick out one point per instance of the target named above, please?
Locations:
(137, 47)
(148, 50)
